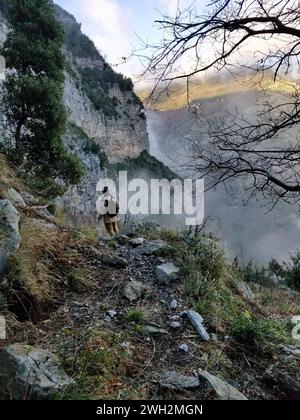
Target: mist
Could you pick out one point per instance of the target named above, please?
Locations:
(248, 231)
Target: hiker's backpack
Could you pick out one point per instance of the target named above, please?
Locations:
(106, 205)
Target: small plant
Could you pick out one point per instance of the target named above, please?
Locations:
(135, 315)
(291, 271)
(112, 244)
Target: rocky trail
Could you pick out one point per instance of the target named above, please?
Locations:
(120, 324)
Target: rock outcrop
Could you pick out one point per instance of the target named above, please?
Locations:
(9, 232)
(217, 389)
(30, 373)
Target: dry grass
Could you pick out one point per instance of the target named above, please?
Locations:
(8, 178)
(49, 264)
(33, 264)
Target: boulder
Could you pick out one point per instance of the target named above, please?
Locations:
(134, 290)
(166, 273)
(16, 198)
(176, 381)
(197, 322)
(217, 389)
(9, 232)
(9, 216)
(30, 373)
(137, 242)
(245, 291)
(114, 261)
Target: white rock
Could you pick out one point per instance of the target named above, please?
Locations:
(218, 389)
(197, 322)
(174, 304)
(16, 198)
(167, 273)
(30, 373)
(184, 348)
(137, 242)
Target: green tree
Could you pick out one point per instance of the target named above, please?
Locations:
(33, 97)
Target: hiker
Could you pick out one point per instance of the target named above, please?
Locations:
(109, 212)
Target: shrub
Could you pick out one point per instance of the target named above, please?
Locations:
(291, 271)
(253, 273)
(258, 333)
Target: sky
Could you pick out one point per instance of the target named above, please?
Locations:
(117, 26)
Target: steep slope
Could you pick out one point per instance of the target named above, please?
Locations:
(124, 326)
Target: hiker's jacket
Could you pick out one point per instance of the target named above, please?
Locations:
(109, 208)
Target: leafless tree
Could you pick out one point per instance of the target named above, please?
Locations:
(213, 38)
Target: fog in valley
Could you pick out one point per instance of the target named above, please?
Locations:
(247, 229)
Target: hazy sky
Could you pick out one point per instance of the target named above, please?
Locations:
(114, 25)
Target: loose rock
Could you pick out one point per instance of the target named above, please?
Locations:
(184, 348)
(174, 305)
(112, 314)
(218, 389)
(155, 330)
(137, 242)
(197, 322)
(175, 325)
(123, 239)
(176, 381)
(155, 248)
(134, 290)
(114, 261)
(167, 273)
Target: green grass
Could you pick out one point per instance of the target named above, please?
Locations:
(258, 333)
(135, 315)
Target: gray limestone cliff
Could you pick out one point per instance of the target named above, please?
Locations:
(103, 112)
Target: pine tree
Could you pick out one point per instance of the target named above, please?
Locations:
(33, 97)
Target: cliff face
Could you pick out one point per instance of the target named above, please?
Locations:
(101, 102)
(103, 110)
(106, 119)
